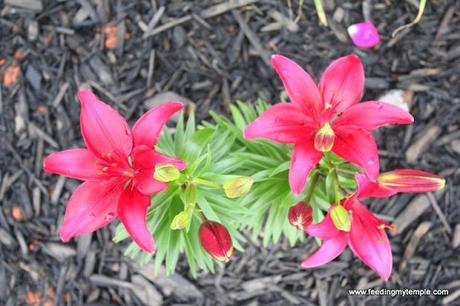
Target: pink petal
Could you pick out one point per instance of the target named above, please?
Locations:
(358, 147)
(74, 163)
(342, 83)
(366, 188)
(105, 131)
(91, 206)
(410, 180)
(300, 87)
(364, 34)
(146, 184)
(372, 114)
(328, 251)
(369, 242)
(324, 230)
(146, 158)
(304, 158)
(282, 123)
(148, 128)
(132, 211)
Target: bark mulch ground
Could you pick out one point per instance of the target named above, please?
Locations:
(138, 53)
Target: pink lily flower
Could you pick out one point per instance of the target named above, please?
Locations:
(117, 168)
(325, 118)
(366, 238)
(401, 180)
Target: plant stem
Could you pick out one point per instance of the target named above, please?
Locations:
(320, 11)
(336, 186)
(206, 183)
(311, 187)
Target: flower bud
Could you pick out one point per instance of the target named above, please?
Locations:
(180, 221)
(409, 180)
(324, 138)
(166, 173)
(238, 187)
(300, 215)
(216, 240)
(340, 218)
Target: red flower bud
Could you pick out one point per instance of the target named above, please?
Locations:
(300, 215)
(216, 240)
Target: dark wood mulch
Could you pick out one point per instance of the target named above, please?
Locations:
(137, 53)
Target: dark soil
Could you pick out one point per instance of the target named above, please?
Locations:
(212, 55)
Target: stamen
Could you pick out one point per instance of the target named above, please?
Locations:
(391, 227)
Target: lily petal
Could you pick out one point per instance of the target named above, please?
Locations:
(358, 147)
(304, 158)
(373, 114)
(106, 133)
(323, 230)
(146, 184)
(342, 83)
(147, 129)
(366, 188)
(369, 242)
(146, 158)
(300, 87)
(328, 251)
(364, 34)
(92, 205)
(132, 211)
(75, 163)
(282, 123)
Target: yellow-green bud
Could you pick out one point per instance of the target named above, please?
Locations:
(238, 187)
(166, 173)
(341, 218)
(180, 221)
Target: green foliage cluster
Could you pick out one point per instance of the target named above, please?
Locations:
(216, 152)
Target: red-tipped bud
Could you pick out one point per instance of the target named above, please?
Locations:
(300, 215)
(216, 240)
(409, 180)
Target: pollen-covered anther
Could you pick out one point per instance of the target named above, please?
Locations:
(391, 227)
(324, 138)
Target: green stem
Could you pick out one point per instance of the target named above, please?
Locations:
(336, 186)
(345, 171)
(335, 178)
(311, 187)
(206, 183)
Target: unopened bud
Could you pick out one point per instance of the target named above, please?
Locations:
(180, 221)
(216, 240)
(340, 218)
(409, 180)
(166, 173)
(300, 215)
(238, 187)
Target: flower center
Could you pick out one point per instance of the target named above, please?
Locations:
(324, 138)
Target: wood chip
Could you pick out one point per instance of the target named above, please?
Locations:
(145, 291)
(252, 37)
(456, 236)
(225, 6)
(421, 230)
(423, 140)
(412, 211)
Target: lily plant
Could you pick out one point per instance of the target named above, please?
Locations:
(290, 169)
